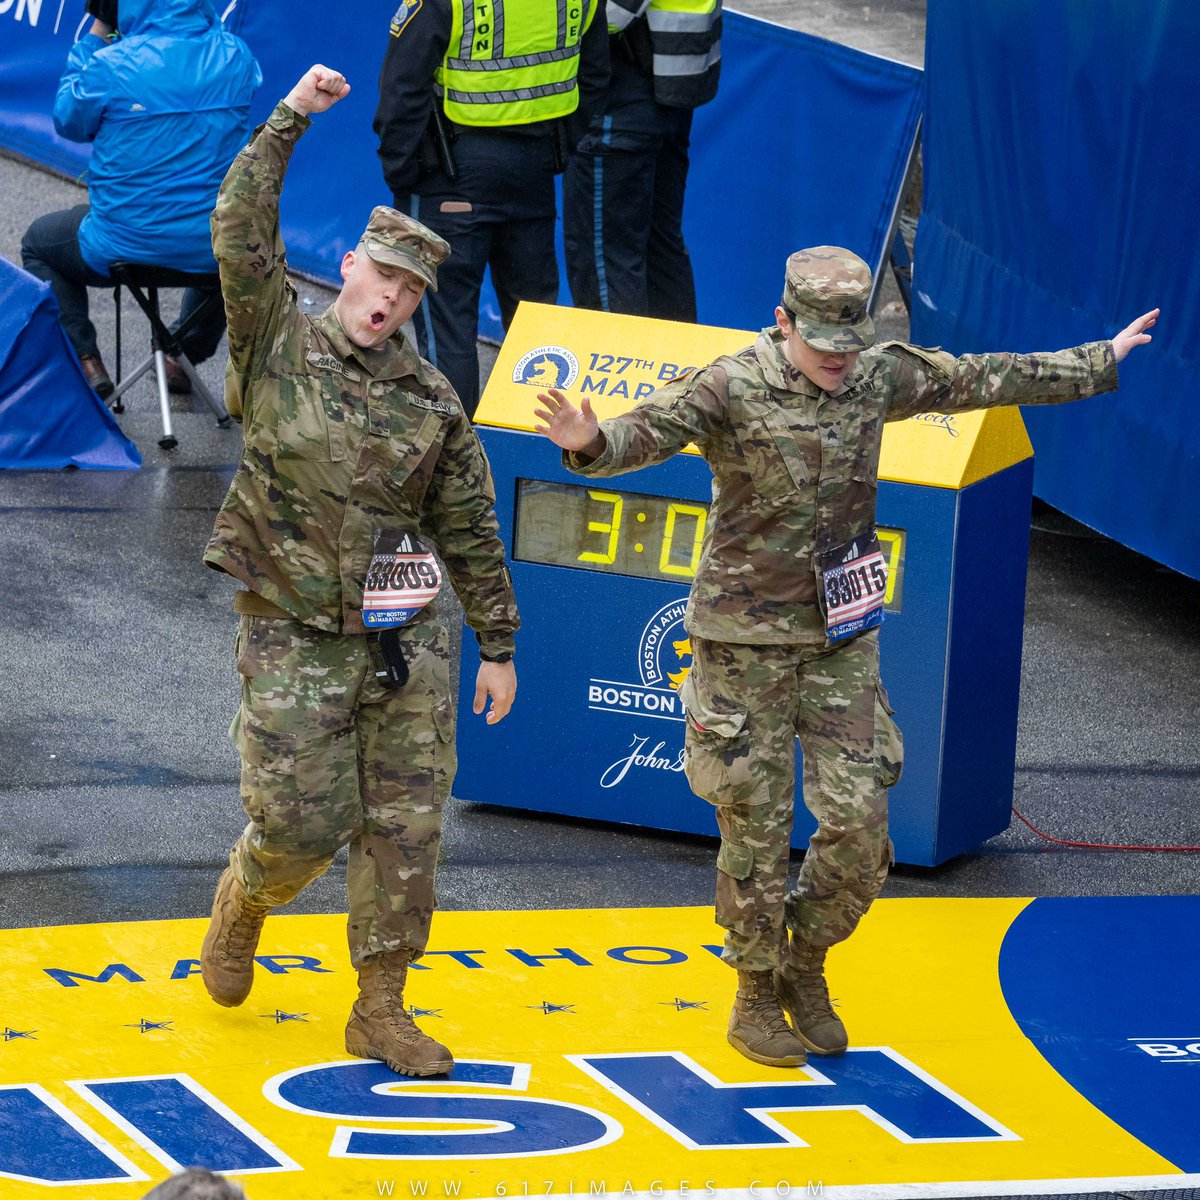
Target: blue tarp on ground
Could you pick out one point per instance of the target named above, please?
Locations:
(1061, 181)
(49, 417)
(805, 143)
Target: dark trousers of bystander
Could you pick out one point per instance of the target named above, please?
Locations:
(50, 250)
(499, 213)
(623, 215)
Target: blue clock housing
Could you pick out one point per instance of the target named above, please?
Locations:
(597, 729)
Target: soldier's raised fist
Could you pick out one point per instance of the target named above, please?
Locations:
(317, 90)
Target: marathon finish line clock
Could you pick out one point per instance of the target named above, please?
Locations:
(659, 537)
(602, 570)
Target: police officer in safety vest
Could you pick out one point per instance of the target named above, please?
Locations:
(623, 192)
(480, 101)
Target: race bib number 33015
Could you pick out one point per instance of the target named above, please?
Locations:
(853, 584)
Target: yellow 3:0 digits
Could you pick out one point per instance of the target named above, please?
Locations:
(682, 525)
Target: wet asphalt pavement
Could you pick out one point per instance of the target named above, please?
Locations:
(120, 785)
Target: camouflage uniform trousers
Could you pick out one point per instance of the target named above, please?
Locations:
(746, 705)
(331, 758)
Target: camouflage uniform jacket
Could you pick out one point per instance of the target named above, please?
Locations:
(339, 441)
(795, 469)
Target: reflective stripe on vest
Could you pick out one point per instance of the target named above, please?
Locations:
(513, 62)
(622, 13)
(686, 39)
(685, 35)
(668, 16)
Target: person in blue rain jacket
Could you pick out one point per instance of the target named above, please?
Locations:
(165, 104)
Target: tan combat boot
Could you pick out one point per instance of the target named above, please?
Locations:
(381, 1027)
(227, 956)
(757, 1027)
(801, 988)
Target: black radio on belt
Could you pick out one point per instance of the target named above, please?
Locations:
(395, 668)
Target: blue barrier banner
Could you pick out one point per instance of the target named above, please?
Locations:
(36, 36)
(1058, 188)
(806, 144)
(776, 164)
(49, 416)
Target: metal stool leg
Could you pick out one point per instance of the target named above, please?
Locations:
(168, 441)
(114, 401)
(224, 420)
(126, 384)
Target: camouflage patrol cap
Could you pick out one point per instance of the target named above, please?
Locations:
(828, 289)
(394, 239)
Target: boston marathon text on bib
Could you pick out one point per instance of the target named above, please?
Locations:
(853, 585)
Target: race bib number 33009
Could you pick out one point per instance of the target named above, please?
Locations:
(402, 579)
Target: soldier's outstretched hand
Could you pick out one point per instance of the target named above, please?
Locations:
(1134, 334)
(565, 425)
(317, 90)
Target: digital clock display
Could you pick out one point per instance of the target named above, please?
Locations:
(632, 533)
(623, 533)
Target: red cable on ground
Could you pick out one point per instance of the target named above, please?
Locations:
(1092, 845)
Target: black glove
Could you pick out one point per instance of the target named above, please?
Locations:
(103, 10)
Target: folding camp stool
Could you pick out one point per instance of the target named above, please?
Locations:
(143, 281)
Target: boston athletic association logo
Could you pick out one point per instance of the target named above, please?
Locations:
(664, 653)
(664, 649)
(546, 367)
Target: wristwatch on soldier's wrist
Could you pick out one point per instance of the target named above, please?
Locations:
(492, 656)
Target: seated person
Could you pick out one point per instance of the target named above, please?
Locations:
(166, 104)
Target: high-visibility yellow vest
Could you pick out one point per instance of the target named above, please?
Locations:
(622, 12)
(513, 62)
(685, 36)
